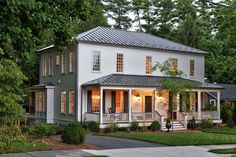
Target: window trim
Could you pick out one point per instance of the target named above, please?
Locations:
(50, 68)
(44, 67)
(146, 65)
(71, 67)
(63, 72)
(96, 51)
(57, 55)
(122, 62)
(193, 68)
(70, 100)
(61, 101)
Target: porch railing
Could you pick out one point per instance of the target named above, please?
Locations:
(91, 117)
(40, 114)
(183, 118)
(139, 116)
(210, 114)
(115, 117)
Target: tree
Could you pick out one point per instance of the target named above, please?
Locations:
(172, 83)
(11, 78)
(118, 11)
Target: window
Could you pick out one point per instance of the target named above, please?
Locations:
(40, 101)
(50, 68)
(44, 66)
(148, 64)
(174, 62)
(63, 101)
(96, 61)
(72, 101)
(63, 63)
(192, 67)
(57, 59)
(72, 61)
(95, 101)
(119, 62)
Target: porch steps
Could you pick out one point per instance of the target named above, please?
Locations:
(177, 126)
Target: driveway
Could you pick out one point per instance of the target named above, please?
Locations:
(105, 142)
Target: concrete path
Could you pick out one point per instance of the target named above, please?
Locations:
(105, 142)
(186, 151)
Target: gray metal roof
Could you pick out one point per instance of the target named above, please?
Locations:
(229, 92)
(142, 81)
(42, 85)
(135, 39)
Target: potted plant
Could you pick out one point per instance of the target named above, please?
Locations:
(168, 124)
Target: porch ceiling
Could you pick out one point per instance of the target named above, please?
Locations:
(142, 81)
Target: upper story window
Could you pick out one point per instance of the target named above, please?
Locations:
(63, 63)
(174, 62)
(50, 67)
(72, 101)
(192, 67)
(44, 66)
(63, 101)
(96, 61)
(148, 64)
(72, 61)
(119, 62)
(58, 59)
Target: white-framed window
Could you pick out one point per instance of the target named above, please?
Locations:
(72, 101)
(57, 59)
(72, 61)
(44, 66)
(50, 67)
(148, 64)
(63, 101)
(63, 63)
(40, 101)
(192, 68)
(119, 62)
(96, 61)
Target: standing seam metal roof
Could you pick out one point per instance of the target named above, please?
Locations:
(136, 39)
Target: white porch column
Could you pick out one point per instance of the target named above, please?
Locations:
(218, 103)
(199, 104)
(130, 101)
(154, 103)
(101, 106)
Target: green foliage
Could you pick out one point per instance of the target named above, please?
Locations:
(230, 123)
(43, 129)
(134, 126)
(168, 124)
(93, 126)
(192, 124)
(73, 133)
(206, 123)
(25, 129)
(143, 127)
(226, 113)
(155, 126)
(112, 127)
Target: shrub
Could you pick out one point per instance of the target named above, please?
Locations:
(73, 133)
(25, 129)
(192, 124)
(155, 126)
(143, 127)
(93, 126)
(43, 129)
(134, 125)
(112, 127)
(226, 113)
(230, 123)
(221, 125)
(206, 123)
(168, 124)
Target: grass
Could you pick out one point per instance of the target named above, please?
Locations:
(180, 138)
(225, 130)
(224, 151)
(24, 147)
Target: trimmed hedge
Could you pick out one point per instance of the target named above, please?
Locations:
(43, 129)
(93, 126)
(155, 126)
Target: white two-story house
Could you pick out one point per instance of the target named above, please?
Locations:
(107, 77)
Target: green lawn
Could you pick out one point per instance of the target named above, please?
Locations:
(24, 147)
(225, 130)
(224, 151)
(180, 138)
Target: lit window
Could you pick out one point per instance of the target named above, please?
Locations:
(40, 101)
(96, 61)
(95, 101)
(192, 67)
(63, 101)
(44, 62)
(57, 59)
(72, 101)
(174, 62)
(72, 61)
(63, 63)
(148, 64)
(50, 68)
(119, 62)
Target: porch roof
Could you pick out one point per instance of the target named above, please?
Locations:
(142, 81)
(42, 85)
